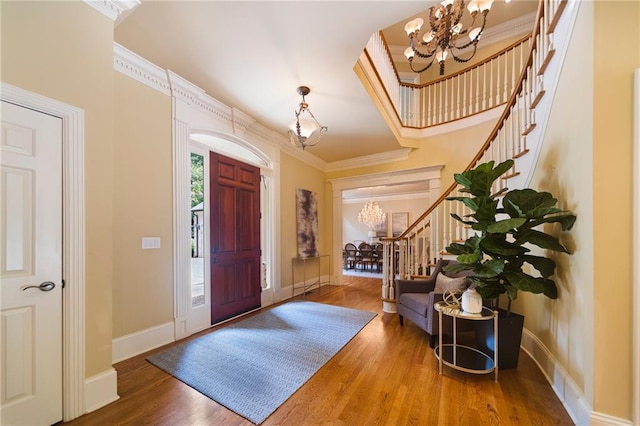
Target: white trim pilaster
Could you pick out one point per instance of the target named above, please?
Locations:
(181, 203)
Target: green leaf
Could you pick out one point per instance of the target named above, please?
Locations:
(502, 168)
(496, 265)
(491, 292)
(489, 269)
(542, 212)
(541, 240)
(550, 289)
(456, 248)
(474, 257)
(512, 292)
(499, 246)
(459, 219)
(500, 192)
(528, 201)
(566, 220)
(480, 179)
(488, 289)
(455, 268)
(462, 179)
(486, 211)
(484, 167)
(506, 225)
(545, 266)
(467, 201)
(525, 282)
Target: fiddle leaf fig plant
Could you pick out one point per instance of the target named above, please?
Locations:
(498, 251)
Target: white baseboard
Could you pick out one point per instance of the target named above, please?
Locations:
(100, 390)
(142, 341)
(565, 388)
(598, 419)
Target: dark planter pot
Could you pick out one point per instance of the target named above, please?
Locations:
(509, 338)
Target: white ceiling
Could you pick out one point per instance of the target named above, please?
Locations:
(253, 56)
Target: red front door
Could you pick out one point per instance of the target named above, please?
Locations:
(235, 237)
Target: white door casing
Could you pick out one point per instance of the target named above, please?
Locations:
(31, 267)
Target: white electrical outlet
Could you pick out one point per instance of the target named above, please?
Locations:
(150, 242)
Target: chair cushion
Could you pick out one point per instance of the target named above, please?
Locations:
(444, 283)
(417, 302)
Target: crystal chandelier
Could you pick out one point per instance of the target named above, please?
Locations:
(446, 31)
(305, 130)
(371, 215)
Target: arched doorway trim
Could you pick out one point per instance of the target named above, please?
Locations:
(196, 113)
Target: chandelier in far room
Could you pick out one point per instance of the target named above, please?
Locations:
(445, 36)
(371, 215)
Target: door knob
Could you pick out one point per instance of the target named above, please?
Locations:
(45, 286)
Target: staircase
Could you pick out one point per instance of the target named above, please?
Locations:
(520, 80)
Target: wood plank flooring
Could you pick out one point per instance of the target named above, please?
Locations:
(386, 375)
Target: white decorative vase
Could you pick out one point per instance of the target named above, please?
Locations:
(471, 301)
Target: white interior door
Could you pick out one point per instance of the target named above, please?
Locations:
(31, 267)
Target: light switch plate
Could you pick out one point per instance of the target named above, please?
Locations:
(150, 242)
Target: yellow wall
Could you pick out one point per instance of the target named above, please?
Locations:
(565, 326)
(296, 174)
(143, 206)
(613, 68)
(454, 150)
(587, 163)
(64, 50)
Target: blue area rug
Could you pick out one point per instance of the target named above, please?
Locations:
(253, 366)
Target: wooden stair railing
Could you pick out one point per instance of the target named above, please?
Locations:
(424, 242)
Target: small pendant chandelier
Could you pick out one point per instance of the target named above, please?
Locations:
(305, 130)
(371, 215)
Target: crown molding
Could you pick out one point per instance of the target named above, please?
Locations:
(138, 68)
(369, 160)
(169, 83)
(490, 36)
(193, 95)
(241, 122)
(116, 10)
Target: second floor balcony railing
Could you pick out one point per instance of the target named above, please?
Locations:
(481, 87)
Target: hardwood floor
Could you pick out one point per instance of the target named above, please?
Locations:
(386, 375)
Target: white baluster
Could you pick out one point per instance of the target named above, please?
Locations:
(484, 87)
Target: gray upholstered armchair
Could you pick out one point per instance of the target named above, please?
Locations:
(415, 300)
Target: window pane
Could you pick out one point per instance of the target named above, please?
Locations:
(197, 230)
